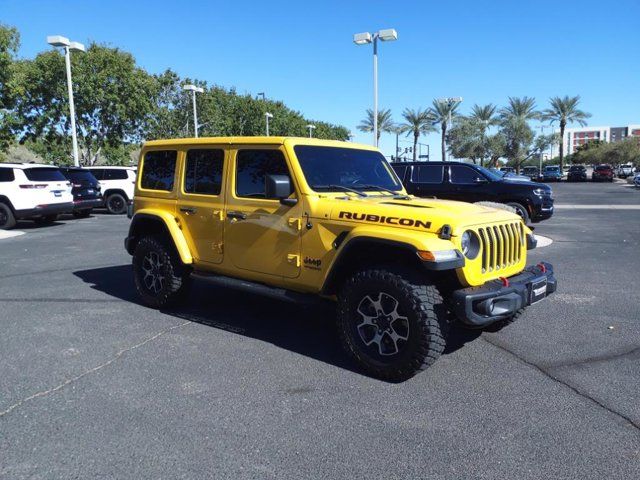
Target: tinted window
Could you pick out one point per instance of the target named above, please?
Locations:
(463, 175)
(78, 176)
(576, 169)
(428, 174)
(329, 168)
(400, 170)
(98, 173)
(44, 175)
(204, 172)
(601, 168)
(115, 174)
(158, 170)
(6, 175)
(251, 168)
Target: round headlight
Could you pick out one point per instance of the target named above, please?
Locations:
(470, 244)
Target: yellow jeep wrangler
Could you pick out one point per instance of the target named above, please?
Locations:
(304, 218)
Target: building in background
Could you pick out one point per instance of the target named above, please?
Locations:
(574, 137)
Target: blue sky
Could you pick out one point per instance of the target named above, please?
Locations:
(302, 52)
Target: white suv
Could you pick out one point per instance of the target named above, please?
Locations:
(32, 191)
(117, 185)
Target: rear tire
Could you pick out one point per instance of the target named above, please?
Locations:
(391, 324)
(521, 210)
(7, 219)
(160, 277)
(116, 204)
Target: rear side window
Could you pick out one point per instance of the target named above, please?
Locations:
(115, 174)
(44, 175)
(252, 166)
(462, 175)
(427, 174)
(400, 170)
(158, 170)
(81, 176)
(98, 173)
(203, 173)
(7, 175)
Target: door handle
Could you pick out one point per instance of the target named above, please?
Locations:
(237, 215)
(188, 210)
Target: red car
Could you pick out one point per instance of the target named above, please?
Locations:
(602, 173)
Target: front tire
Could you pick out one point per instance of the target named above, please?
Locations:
(116, 204)
(392, 325)
(7, 219)
(521, 210)
(160, 277)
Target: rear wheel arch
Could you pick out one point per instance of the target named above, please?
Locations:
(111, 191)
(7, 202)
(365, 252)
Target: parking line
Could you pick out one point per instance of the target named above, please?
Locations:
(596, 207)
(10, 233)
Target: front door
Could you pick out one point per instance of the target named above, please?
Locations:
(201, 202)
(468, 185)
(262, 235)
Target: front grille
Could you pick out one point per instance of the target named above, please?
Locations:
(501, 245)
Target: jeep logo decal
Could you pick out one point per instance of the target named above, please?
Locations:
(405, 222)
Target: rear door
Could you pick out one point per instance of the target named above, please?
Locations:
(49, 185)
(429, 181)
(201, 201)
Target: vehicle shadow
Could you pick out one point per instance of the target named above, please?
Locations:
(303, 329)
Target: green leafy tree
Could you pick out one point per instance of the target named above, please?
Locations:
(9, 44)
(442, 113)
(496, 148)
(565, 110)
(385, 122)
(514, 122)
(416, 122)
(466, 139)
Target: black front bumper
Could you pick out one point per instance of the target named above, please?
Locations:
(85, 203)
(500, 299)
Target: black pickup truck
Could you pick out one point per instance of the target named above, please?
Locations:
(471, 183)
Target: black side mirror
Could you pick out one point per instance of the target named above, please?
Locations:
(278, 187)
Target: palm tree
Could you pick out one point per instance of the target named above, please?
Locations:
(565, 110)
(514, 120)
(520, 109)
(385, 122)
(485, 116)
(442, 113)
(416, 122)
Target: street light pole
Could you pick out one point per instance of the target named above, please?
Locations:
(193, 89)
(267, 116)
(311, 129)
(59, 41)
(541, 133)
(361, 39)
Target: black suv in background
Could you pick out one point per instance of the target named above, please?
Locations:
(472, 183)
(85, 189)
(577, 173)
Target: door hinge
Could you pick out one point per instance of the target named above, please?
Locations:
(219, 214)
(295, 223)
(293, 259)
(217, 247)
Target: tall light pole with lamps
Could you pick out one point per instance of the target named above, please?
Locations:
(386, 35)
(60, 41)
(193, 89)
(311, 129)
(267, 116)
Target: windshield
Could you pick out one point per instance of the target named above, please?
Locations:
(44, 174)
(335, 169)
(552, 169)
(492, 174)
(576, 168)
(81, 176)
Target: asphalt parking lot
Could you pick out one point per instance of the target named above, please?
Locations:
(92, 384)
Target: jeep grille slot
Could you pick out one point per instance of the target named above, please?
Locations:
(501, 246)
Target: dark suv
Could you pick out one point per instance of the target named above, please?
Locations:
(85, 189)
(577, 173)
(472, 183)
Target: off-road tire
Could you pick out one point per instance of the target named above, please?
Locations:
(46, 219)
(176, 282)
(82, 213)
(7, 219)
(521, 211)
(420, 303)
(116, 204)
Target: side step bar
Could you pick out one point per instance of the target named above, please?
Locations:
(259, 288)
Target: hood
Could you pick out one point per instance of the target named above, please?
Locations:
(420, 214)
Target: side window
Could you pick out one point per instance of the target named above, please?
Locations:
(158, 170)
(98, 173)
(400, 171)
(203, 172)
(427, 174)
(115, 174)
(7, 175)
(251, 168)
(462, 175)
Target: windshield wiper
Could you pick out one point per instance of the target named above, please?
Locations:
(340, 187)
(378, 187)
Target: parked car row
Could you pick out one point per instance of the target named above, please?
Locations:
(42, 192)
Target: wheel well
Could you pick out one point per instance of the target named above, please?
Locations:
(115, 190)
(367, 252)
(7, 202)
(145, 225)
